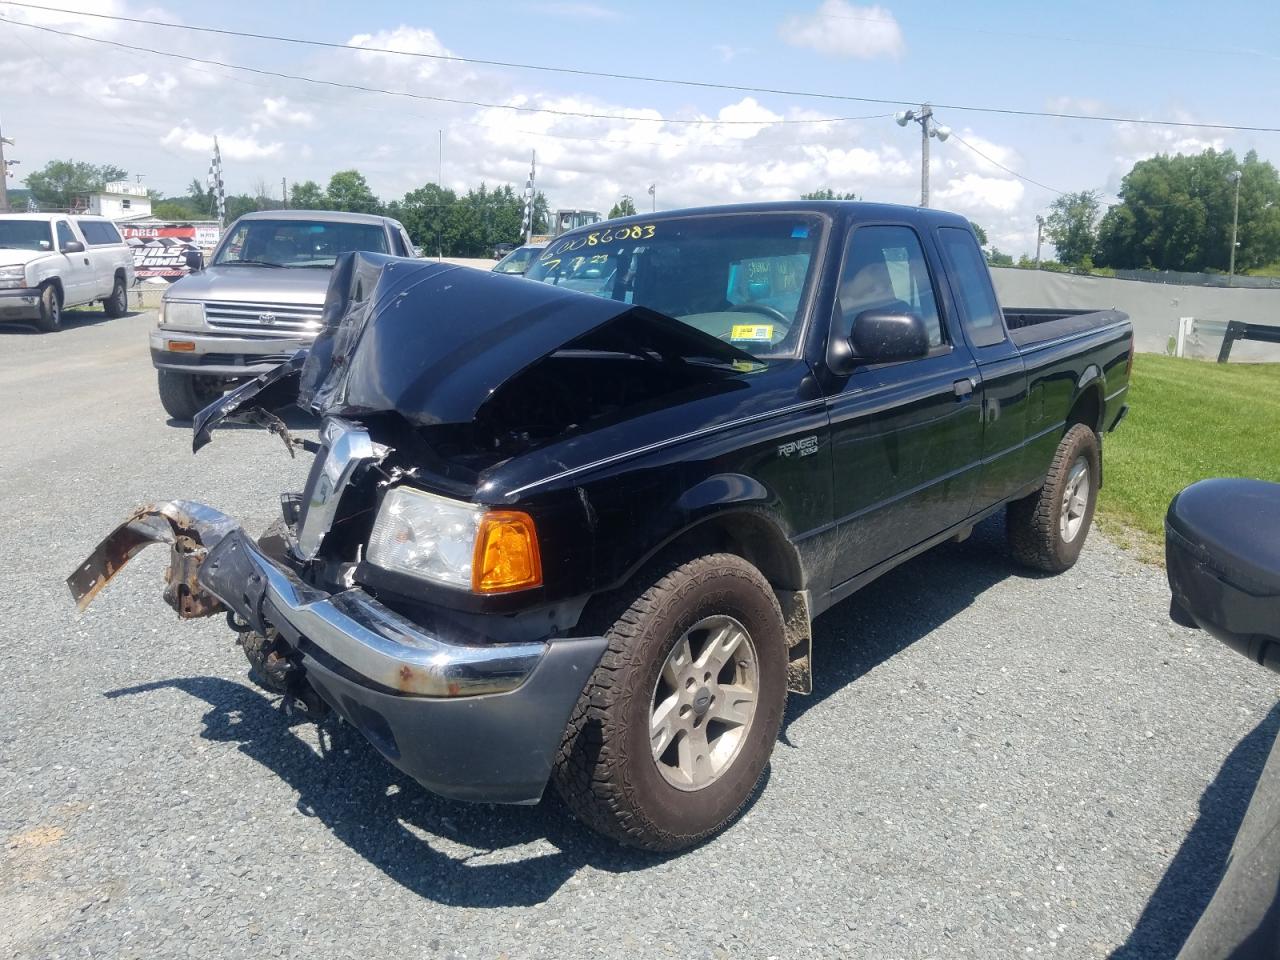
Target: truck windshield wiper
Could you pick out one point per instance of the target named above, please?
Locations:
(251, 263)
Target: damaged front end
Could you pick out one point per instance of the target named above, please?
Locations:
(451, 370)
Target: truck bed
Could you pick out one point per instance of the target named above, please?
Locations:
(1031, 325)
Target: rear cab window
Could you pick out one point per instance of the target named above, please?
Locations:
(971, 283)
(99, 233)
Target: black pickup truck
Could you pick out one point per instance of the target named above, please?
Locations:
(575, 526)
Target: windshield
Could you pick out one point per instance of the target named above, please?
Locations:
(517, 261)
(740, 277)
(298, 243)
(25, 235)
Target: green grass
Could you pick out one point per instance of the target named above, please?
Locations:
(1187, 420)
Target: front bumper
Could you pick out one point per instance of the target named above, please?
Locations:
(221, 355)
(470, 721)
(20, 303)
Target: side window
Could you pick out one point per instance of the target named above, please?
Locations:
(979, 309)
(885, 269)
(397, 244)
(99, 233)
(408, 243)
(65, 235)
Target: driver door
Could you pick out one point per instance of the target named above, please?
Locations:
(906, 436)
(77, 270)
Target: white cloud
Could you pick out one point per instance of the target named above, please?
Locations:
(972, 193)
(728, 53)
(233, 146)
(276, 110)
(840, 29)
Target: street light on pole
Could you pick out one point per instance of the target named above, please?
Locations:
(1235, 176)
(928, 128)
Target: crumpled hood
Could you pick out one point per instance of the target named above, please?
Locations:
(305, 285)
(9, 256)
(433, 341)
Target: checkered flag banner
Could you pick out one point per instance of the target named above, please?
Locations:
(215, 182)
(32, 206)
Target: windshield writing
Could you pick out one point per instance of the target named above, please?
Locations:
(739, 278)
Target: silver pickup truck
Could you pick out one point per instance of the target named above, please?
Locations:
(258, 301)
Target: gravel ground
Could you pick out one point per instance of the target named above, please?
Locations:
(992, 765)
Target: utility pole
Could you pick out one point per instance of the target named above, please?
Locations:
(926, 114)
(1237, 176)
(4, 175)
(928, 128)
(1039, 237)
(284, 193)
(653, 192)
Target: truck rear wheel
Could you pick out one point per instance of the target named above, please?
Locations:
(117, 305)
(673, 731)
(1047, 530)
(183, 395)
(50, 309)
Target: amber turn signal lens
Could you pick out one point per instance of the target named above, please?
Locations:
(182, 346)
(506, 556)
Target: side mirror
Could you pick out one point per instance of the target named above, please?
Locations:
(1222, 564)
(73, 246)
(882, 337)
(195, 260)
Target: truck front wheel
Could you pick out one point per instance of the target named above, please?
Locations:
(50, 309)
(1047, 529)
(183, 395)
(673, 731)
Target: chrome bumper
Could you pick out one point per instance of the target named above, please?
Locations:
(471, 721)
(379, 645)
(216, 354)
(20, 303)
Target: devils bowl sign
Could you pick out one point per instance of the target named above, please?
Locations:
(160, 250)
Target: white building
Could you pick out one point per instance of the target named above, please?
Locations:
(121, 200)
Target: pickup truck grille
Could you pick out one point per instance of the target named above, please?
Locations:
(286, 318)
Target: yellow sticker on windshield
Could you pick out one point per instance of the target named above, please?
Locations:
(752, 331)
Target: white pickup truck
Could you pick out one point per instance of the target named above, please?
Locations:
(50, 261)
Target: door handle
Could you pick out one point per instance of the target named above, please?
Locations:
(86, 261)
(963, 388)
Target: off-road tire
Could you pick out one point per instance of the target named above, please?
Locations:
(117, 305)
(183, 395)
(605, 771)
(50, 320)
(1032, 523)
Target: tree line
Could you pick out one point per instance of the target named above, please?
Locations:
(1175, 212)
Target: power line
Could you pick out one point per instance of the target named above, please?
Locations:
(629, 118)
(997, 163)
(738, 88)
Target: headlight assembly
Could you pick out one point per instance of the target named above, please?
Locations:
(185, 314)
(455, 543)
(13, 277)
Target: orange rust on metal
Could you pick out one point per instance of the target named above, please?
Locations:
(406, 676)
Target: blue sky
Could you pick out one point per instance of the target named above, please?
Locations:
(157, 116)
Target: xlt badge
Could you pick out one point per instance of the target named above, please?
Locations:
(799, 448)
